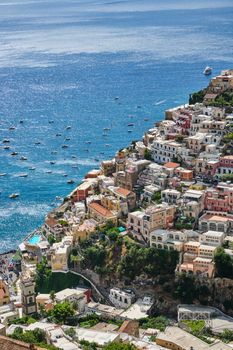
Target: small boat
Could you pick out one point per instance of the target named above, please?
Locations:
(48, 171)
(32, 168)
(11, 128)
(107, 145)
(130, 131)
(96, 160)
(88, 142)
(86, 150)
(146, 119)
(139, 106)
(14, 195)
(58, 134)
(74, 166)
(65, 175)
(74, 157)
(67, 139)
(6, 147)
(2, 174)
(207, 70)
(64, 146)
(54, 152)
(70, 182)
(21, 122)
(23, 158)
(68, 127)
(23, 175)
(5, 141)
(51, 121)
(116, 98)
(14, 153)
(131, 124)
(102, 153)
(52, 162)
(106, 129)
(37, 143)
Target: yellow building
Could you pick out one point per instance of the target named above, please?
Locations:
(60, 254)
(4, 293)
(84, 230)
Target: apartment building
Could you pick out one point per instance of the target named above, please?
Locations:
(213, 238)
(60, 254)
(215, 222)
(164, 151)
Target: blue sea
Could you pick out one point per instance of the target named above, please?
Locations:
(64, 62)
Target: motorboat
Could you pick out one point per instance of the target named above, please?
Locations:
(65, 175)
(207, 70)
(32, 168)
(88, 142)
(37, 143)
(23, 175)
(52, 162)
(6, 147)
(131, 124)
(116, 98)
(106, 129)
(67, 139)
(5, 141)
(54, 152)
(14, 153)
(64, 146)
(2, 174)
(58, 134)
(51, 121)
(68, 127)
(21, 121)
(70, 182)
(130, 131)
(74, 157)
(11, 128)
(13, 195)
(96, 160)
(146, 119)
(23, 158)
(48, 171)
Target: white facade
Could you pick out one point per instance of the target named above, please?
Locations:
(121, 298)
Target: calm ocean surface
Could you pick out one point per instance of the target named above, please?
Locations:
(66, 61)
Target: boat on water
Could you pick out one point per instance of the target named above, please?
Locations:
(88, 142)
(11, 128)
(23, 158)
(74, 157)
(68, 127)
(64, 146)
(23, 175)
(207, 70)
(37, 143)
(52, 162)
(51, 121)
(32, 168)
(14, 153)
(48, 171)
(107, 145)
(146, 119)
(58, 134)
(2, 174)
(106, 129)
(130, 131)
(131, 124)
(74, 166)
(54, 152)
(70, 182)
(13, 195)
(6, 147)
(21, 122)
(67, 139)
(5, 141)
(96, 160)
(65, 175)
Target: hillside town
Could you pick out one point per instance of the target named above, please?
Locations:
(168, 197)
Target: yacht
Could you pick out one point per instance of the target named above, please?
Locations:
(14, 195)
(23, 175)
(2, 174)
(14, 153)
(207, 70)
(70, 181)
(5, 141)
(48, 171)
(32, 168)
(68, 127)
(23, 158)
(64, 146)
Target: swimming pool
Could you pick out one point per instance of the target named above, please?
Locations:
(34, 240)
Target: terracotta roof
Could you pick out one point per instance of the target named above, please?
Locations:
(216, 218)
(123, 191)
(50, 221)
(100, 209)
(2, 293)
(130, 327)
(12, 344)
(171, 165)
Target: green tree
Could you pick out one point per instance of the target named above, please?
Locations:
(147, 154)
(52, 295)
(62, 312)
(223, 263)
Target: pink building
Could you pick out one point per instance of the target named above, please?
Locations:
(219, 199)
(225, 166)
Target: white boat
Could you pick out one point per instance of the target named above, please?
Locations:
(23, 175)
(52, 162)
(68, 127)
(207, 70)
(2, 174)
(32, 168)
(23, 158)
(14, 195)
(70, 181)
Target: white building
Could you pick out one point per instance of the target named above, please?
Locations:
(121, 298)
(213, 238)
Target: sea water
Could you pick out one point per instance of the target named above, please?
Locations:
(92, 65)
